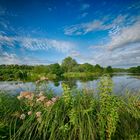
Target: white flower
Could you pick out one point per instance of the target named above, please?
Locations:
(30, 97)
(30, 113)
(19, 97)
(38, 114)
(54, 99)
(41, 98)
(22, 116)
(27, 94)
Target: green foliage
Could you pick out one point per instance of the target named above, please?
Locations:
(109, 69)
(98, 68)
(84, 68)
(68, 64)
(69, 68)
(55, 69)
(77, 115)
(9, 105)
(108, 116)
(80, 74)
(135, 69)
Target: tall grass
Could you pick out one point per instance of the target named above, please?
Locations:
(81, 74)
(76, 115)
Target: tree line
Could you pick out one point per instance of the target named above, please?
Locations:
(69, 65)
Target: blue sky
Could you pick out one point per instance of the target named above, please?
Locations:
(46, 31)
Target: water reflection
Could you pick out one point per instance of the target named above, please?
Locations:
(121, 83)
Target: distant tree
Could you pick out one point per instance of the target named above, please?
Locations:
(22, 75)
(98, 68)
(41, 69)
(68, 64)
(135, 69)
(86, 67)
(109, 69)
(55, 69)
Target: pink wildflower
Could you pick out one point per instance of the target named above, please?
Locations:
(49, 103)
(38, 114)
(41, 98)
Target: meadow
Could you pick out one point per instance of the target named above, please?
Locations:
(77, 115)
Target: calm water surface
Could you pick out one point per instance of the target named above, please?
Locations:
(122, 82)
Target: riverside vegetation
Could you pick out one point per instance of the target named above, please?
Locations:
(76, 115)
(68, 69)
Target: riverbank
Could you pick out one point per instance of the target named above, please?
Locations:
(81, 74)
(77, 114)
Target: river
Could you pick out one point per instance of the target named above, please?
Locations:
(122, 82)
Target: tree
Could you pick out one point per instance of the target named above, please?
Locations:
(40, 69)
(55, 69)
(22, 75)
(98, 68)
(135, 69)
(109, 69)
(68, 64)
(86, 67)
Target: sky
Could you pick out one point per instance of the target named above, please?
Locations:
(105, 32)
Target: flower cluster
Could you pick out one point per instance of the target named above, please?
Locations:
(26, 94)
(34, 101)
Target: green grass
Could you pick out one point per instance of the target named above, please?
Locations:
(80, 74)
(76, 115)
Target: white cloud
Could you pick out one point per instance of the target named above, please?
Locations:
(100, 25)
(12, 58)
(84, 28)
(125, 36)
(122, 49)
(37, 43)
(9, 58)
(5, 40)
(121, 57)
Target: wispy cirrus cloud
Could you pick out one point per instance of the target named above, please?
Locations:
(45, 44)
(98, 25)
(122, 37)
(122, 49)
(37, 43)
(83, 28)
(125, 36)
(12, 58)
(9, 58)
